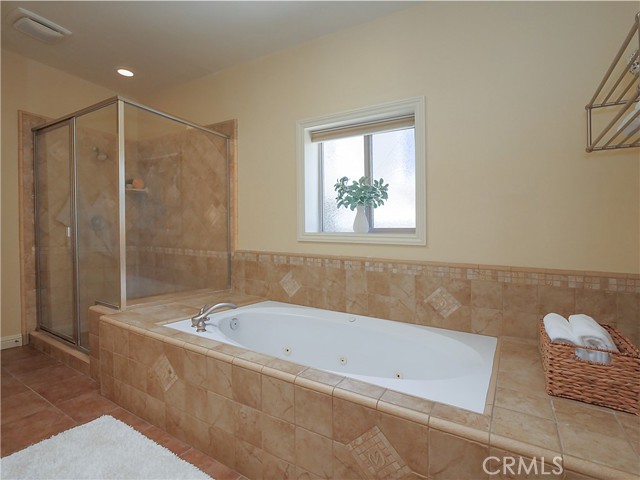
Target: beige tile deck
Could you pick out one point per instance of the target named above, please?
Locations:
(593, 441)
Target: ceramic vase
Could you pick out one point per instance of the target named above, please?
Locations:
(361, 224)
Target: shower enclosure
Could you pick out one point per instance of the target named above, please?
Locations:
(129, 203)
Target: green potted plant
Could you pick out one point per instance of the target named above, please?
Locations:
(359, 195)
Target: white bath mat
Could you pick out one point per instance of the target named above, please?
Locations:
(102, 449)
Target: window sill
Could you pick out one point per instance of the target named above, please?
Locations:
(368, 238)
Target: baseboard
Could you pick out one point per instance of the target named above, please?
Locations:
(10, 342)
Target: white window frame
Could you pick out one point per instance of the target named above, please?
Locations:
(308, 225)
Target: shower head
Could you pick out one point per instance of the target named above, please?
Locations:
(100, 155)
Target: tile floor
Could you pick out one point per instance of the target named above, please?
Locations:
(41, 397)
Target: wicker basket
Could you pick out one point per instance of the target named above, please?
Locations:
(615, 385)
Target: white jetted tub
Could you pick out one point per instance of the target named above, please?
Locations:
(433, 363)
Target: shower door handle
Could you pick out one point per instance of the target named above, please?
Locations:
(68, 232)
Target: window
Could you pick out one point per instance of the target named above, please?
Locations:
(388, 154)
(385, 141)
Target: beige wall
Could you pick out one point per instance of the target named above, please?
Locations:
(508, 180)
(33, 87)
(507, 177)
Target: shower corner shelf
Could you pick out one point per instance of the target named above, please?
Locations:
(622, 99)
(140, 190)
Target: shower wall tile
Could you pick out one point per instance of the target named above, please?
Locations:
(483, 299)
(177, 231)
(97, 216)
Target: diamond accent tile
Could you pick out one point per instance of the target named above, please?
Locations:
(213, 215)
(376, 456)
(164, 372)
(290, 284)
(443, 302)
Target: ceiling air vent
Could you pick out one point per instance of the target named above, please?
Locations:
(37, 27)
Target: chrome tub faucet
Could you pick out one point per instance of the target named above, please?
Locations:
(198, 320)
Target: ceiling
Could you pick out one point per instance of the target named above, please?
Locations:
(167, 43)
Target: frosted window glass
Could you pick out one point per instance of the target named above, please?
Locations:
(394, 160)
(341, 158)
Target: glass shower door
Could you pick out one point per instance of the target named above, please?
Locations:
(97, 237)
(54, 231)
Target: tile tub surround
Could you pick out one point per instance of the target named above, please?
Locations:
(268, 418)
(490, 300)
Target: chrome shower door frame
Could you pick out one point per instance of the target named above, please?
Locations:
(71, 121)
(71, 124)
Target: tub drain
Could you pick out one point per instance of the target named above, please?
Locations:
(398, 375)
(286, 351)
(342, 360)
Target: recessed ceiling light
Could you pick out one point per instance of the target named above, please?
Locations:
(125, 73)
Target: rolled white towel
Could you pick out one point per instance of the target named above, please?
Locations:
(593, 355)
(559, 329)
(590, 333)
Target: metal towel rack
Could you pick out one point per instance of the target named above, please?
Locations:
(620, 112)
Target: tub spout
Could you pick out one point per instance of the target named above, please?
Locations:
(198, 321)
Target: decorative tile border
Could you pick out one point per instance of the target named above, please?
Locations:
(177, 251)
(608, 282)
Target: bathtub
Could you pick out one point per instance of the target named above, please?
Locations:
(441, 365)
